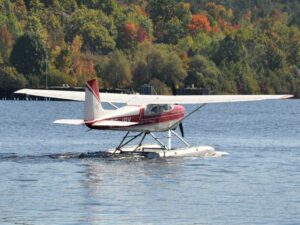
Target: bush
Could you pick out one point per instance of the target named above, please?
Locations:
(160, 87)
(11, 79)
(58, 78)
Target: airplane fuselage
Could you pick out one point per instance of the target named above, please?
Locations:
(147, 118)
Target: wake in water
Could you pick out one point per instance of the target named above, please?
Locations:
(56, 156)
(69, 156)
(96, 155)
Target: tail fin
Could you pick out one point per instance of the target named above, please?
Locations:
(92, 108)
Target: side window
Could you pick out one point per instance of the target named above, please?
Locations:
(164, 108)
(153, 109)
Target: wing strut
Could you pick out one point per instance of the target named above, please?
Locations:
(113, 105)
(195, 110)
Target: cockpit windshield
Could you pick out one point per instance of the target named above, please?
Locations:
(153, 109)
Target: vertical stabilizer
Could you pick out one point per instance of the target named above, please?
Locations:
(92, 108)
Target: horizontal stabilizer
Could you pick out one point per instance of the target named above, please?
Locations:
(113, 123)
(70, 122)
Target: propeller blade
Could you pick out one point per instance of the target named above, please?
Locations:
(181, 129)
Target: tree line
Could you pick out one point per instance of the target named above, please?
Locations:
(228, 46)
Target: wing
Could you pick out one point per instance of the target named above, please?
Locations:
(199, 99)
(75, 95)
(137, 99)
(68, 95)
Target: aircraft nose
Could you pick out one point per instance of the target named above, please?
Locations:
(180, 108)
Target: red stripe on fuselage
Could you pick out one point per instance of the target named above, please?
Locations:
(161, 118)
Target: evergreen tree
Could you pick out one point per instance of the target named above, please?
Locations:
(29, 56)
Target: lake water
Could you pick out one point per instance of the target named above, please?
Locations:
(44, 181)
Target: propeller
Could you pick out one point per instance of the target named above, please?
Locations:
(174, 92)
(181, 129)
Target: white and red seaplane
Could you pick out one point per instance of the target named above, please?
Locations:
(142, 115)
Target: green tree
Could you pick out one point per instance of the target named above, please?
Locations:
(166, 66)
(29, 55)
(230, 49)
(141, 73)
(274, 57)
(117, 71)
(34, 25)
(8, 16)
(170, 19)
(203, 73)
(158, 62)
(293, 55)
(238, 78)
(97, 39)
(68, 6)
(98, 30)
(107, 6)
(64, 61)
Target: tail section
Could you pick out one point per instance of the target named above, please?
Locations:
(92, 108)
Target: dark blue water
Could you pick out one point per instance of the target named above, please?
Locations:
(44, 181)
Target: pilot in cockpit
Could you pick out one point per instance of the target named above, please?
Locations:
(156, 109)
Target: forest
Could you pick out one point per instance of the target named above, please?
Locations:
(227, 46)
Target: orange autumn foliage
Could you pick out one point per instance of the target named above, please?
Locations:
(224, 24)
(135, 33)
(84, 67)
(6, 42)
(6, 37)
(199, 22)
(142, 34)
(130, 30)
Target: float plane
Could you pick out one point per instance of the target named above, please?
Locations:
(142, 115)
